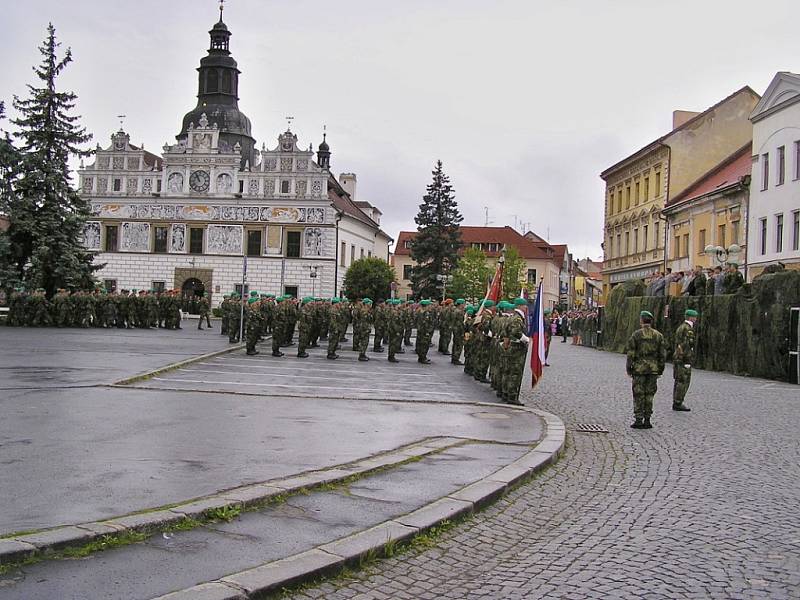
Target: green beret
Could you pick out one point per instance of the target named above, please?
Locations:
(306, 300)
(252, 300)
(471, 310)
(646, 313)
(424, 302)
(520, 302)
(691, 313)
(460, 301)
(488, 303)
(367, 301)
(270, 295)
(335, 300)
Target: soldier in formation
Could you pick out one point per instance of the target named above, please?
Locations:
(682, 360)
(646, 356)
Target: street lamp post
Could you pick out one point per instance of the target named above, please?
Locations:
(722, 255)
(445, 279)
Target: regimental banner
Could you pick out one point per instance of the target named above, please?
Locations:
(316, 215)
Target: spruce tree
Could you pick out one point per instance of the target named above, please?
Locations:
(47, 214)
(438, 240)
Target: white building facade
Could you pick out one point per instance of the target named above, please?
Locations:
(193, 217)
(774, 215)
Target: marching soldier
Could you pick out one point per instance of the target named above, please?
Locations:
(204, 308)
(426, 323)
(646, 352)
(515, 350)
(305, 325)
(395, 328)
(682, 360)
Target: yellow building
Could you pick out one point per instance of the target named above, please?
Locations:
(711, 212)
(639, 186)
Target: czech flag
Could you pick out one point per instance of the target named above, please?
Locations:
(536, 333)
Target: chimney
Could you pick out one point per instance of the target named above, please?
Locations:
(348, 182)
(679, 117)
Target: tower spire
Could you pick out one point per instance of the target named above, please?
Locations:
(221, 8)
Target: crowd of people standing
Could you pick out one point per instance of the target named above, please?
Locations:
(711, 282)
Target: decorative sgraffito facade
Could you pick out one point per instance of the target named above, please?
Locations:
(213, 199)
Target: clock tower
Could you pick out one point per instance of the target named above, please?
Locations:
(218, 97)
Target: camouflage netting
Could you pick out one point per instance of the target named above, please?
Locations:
(746, 333)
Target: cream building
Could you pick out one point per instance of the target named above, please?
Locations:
(192, 218)
(639, 186)
(774, 224)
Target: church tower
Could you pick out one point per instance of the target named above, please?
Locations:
(218, 96)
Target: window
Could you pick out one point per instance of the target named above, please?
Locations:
(627, 243)
(532, 277)
(762, 241)
(241, 186)
(407, 272)
(343, 252)
(656, 237)
(611, 203)
(781, 165)
(797, 159)
(117, 185)
(361, 252)
(158, 286)
(112, 238)
(160, 240)
(619, 201)
(352, 254)
(721, 236)
(657, 191)
(702, 239)
(195, 240)
(407, 245)
(644, 238)
(636, 197)
(610, 246)
(646, 189)
(290, 290)
(636, 239)
(158, 186)
(778, 233)
(734, 232)
(686, 244)
(110, 285)
(619, 243)
(292, 244)
(254, 242)
(627, 197)
(284, 187)
(796, 230)
(677, 246)
(764, 171)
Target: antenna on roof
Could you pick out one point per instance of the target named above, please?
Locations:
(486, 220)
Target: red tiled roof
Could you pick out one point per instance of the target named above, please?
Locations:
(485, 235)
(150, 159)
(729, 172)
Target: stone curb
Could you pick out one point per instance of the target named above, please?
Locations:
(23, 546)
(332, 556)
(176, 365)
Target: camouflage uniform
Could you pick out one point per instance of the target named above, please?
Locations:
(234, 319)
(305, 327)
(408, 323)
(647, 355)
(280, 322)
(203, 309)
(253, 326)
(682, 363)
(445, 327)
(457, 328)
(337, 327)
(394, 328)
(426, 324)
(515, 351)
(731, 282)
(362, 325)
(379, 318)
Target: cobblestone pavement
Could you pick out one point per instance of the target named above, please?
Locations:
(705, 505)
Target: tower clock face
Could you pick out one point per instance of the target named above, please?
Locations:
(199, 181)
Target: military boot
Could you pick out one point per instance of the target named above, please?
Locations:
(363, 357)
(302, 355)
(681, 408)
(638, 424)
(646, 424)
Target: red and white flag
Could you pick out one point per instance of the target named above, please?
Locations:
(495, 289)
(536, 333)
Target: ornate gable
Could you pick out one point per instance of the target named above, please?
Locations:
(782, 91)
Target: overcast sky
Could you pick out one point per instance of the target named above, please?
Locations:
(525, 101)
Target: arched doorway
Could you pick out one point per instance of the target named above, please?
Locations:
(192, 290)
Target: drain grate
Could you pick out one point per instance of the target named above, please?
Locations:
(590, 428)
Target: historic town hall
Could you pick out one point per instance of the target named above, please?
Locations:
(192, 217)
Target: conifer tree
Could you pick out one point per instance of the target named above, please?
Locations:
(438, 240)
(47, 214)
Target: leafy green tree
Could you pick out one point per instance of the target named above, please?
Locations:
(47, 214)
(369, 278)
(438, 240)
(513, 273)
(471, 276)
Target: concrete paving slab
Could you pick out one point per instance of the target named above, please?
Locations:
(511, 474)
(435, 513)
(149, 521)
(206, 591)
(253, 494)
(202, 507)
(12, 550)
(359, 544)
(55, 539)
(481, 493)
(285, 572)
